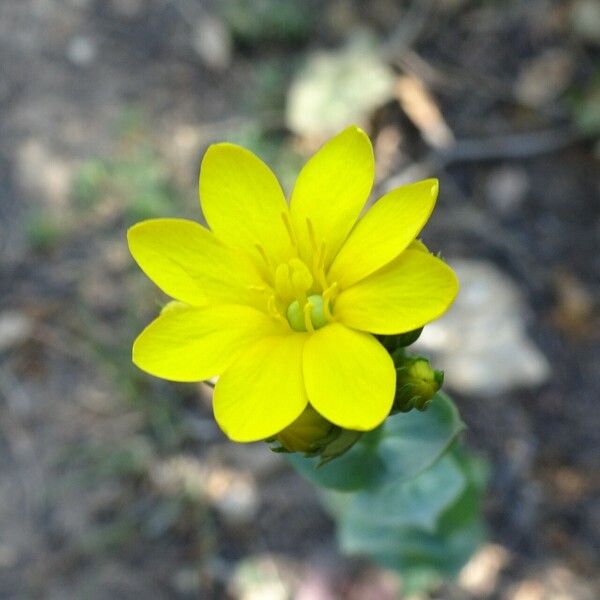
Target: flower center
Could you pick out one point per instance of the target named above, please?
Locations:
(311, 316)
(296, 293)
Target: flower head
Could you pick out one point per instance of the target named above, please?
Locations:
(282, 301)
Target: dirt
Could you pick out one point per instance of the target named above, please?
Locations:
(84, 509)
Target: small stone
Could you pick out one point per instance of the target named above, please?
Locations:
(43, 174)
(211, 40)
(15, 328)
(264, 577)
(544, 77)
(82, 51)
(481, 343)
(506, 189)
(233, 495)
(480, 575)
(585, 17)
(338, 87)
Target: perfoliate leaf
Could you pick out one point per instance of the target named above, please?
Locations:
(404, 446)
(358, 468)
(411, 442)
(417, 502)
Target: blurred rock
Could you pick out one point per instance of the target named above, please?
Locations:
(212, 42)
(554, 582)
(506, 188)
(234, 496)
(585, 17)
(43, 174)
(81, 51)
(481, 343)
(543, 78)
(480, 575)
(232, 493)
(15, 328)
(338, 88)
(264, 577)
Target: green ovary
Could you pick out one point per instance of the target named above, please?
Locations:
(296, 316)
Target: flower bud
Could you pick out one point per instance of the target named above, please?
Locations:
(340, 444)
(309, 433)
(416, 384)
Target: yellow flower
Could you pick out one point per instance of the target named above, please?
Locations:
(282, 301)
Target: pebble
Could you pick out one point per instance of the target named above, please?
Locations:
(585, 17)
(81, 51)
(481, 342)
(506, 189)
(212, 43)
(15, 328)
(543, 78)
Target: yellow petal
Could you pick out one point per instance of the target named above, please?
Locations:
(418, 245)
(387, 229)
(409, 292)
(187, 262)
(350, 378)
(193, 344)
(243, 202)
(263, 390)
(332, 189)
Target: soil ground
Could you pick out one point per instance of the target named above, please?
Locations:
(116, 485)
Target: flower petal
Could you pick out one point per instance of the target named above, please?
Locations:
(350, 378)
(187, 262)
(388, 227)
(195, 343)
(332, 189)
(263, 390)
(409, 292)
(418, 245)
(243, 202)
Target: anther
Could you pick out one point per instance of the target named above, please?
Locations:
(327, 297)
(288, 225)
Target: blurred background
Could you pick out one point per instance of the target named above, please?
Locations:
(114, 484)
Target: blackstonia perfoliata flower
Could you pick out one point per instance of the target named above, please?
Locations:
(282, 301)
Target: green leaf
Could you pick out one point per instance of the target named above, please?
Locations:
(417, 502)
(358, 468)
(411, 442)
(442, 555)
(423, 556)
(404, 446)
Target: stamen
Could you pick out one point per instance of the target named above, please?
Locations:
(288, 225)
(272, 308)
(263, 255)
(321, 266)
(307, 317)
(328, 295)
(318, 256)
(311, 235)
